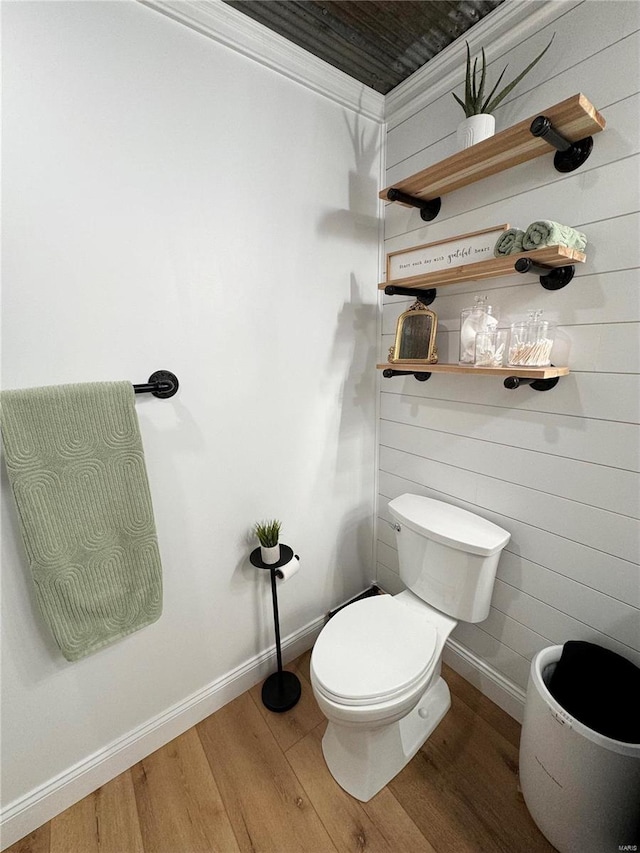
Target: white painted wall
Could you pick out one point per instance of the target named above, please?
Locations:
(556, 469)
(169, 203)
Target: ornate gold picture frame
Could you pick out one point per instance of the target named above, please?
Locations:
(415, 336)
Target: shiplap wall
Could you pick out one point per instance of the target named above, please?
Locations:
(559, 470)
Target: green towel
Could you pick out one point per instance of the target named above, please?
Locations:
(76, 466)
(509, 242)
(544, 232)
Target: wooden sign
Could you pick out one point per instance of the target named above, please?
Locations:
(445, 254)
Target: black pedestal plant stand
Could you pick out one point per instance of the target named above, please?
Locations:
(281, 691)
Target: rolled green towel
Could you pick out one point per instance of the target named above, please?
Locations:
(544, 232)
(509, 242)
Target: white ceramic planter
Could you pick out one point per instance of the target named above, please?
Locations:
(271, 555)
(474, 129)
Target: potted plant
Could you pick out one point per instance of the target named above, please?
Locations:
(479, 123)
(268, 533)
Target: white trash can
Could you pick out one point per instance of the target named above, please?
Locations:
(581, 787)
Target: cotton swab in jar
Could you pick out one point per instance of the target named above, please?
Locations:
(531, 354)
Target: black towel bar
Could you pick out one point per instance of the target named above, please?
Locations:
(161, 384)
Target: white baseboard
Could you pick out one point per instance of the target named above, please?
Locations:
(45, 802)
(488, 680)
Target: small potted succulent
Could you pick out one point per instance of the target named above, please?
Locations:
(479, 123)
(268, 533)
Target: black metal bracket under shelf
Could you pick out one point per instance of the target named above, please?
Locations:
(510, 382)
(429, 207)
(551, 278)
(569, 155)
(513, 382)
(388, 372)
(424, 296)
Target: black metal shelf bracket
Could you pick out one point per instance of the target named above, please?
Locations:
(424, 296)
(512, 382)
(551, 278)
(162, 384)
(429, 207)
(569, 155)
(388, 373)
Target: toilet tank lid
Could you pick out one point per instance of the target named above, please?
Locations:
(450, 525)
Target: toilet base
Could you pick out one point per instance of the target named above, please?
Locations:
(363, 760)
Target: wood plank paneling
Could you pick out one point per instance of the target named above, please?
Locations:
(513, 634)
(602, 612)
(601, 396)
(612, 247)
(612, 348)
(567, 198)
(519, 297)
(388, 580)
(494, 652)
(617, 578)
(615, 490)
(556, 626)
(571, 487)
(605, 531)
(602, 442)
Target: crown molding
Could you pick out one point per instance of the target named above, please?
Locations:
(227, 26)
(504, 27)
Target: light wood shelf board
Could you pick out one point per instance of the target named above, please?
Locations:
(574, 118)
(551, 256)
(521, 372)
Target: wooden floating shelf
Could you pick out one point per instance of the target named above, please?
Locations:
(520, 372)
(550, 256)
(575, 118)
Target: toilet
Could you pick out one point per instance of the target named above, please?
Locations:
(375, 668)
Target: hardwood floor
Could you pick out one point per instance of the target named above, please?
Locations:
(247, 780)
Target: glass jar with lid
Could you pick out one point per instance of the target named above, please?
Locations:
(531, 342)
(491, 348)
(479, 318)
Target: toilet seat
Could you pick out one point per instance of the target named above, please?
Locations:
(391, 650)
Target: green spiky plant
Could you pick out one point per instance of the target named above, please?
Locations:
(474, 99)
(268, 532)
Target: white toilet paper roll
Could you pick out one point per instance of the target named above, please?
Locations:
(291, 569)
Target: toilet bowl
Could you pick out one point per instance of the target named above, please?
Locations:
(375, 673)
(375, 668)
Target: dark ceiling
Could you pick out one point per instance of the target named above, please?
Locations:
(378, 42)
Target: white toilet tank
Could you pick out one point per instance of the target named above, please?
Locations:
(448, 556)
